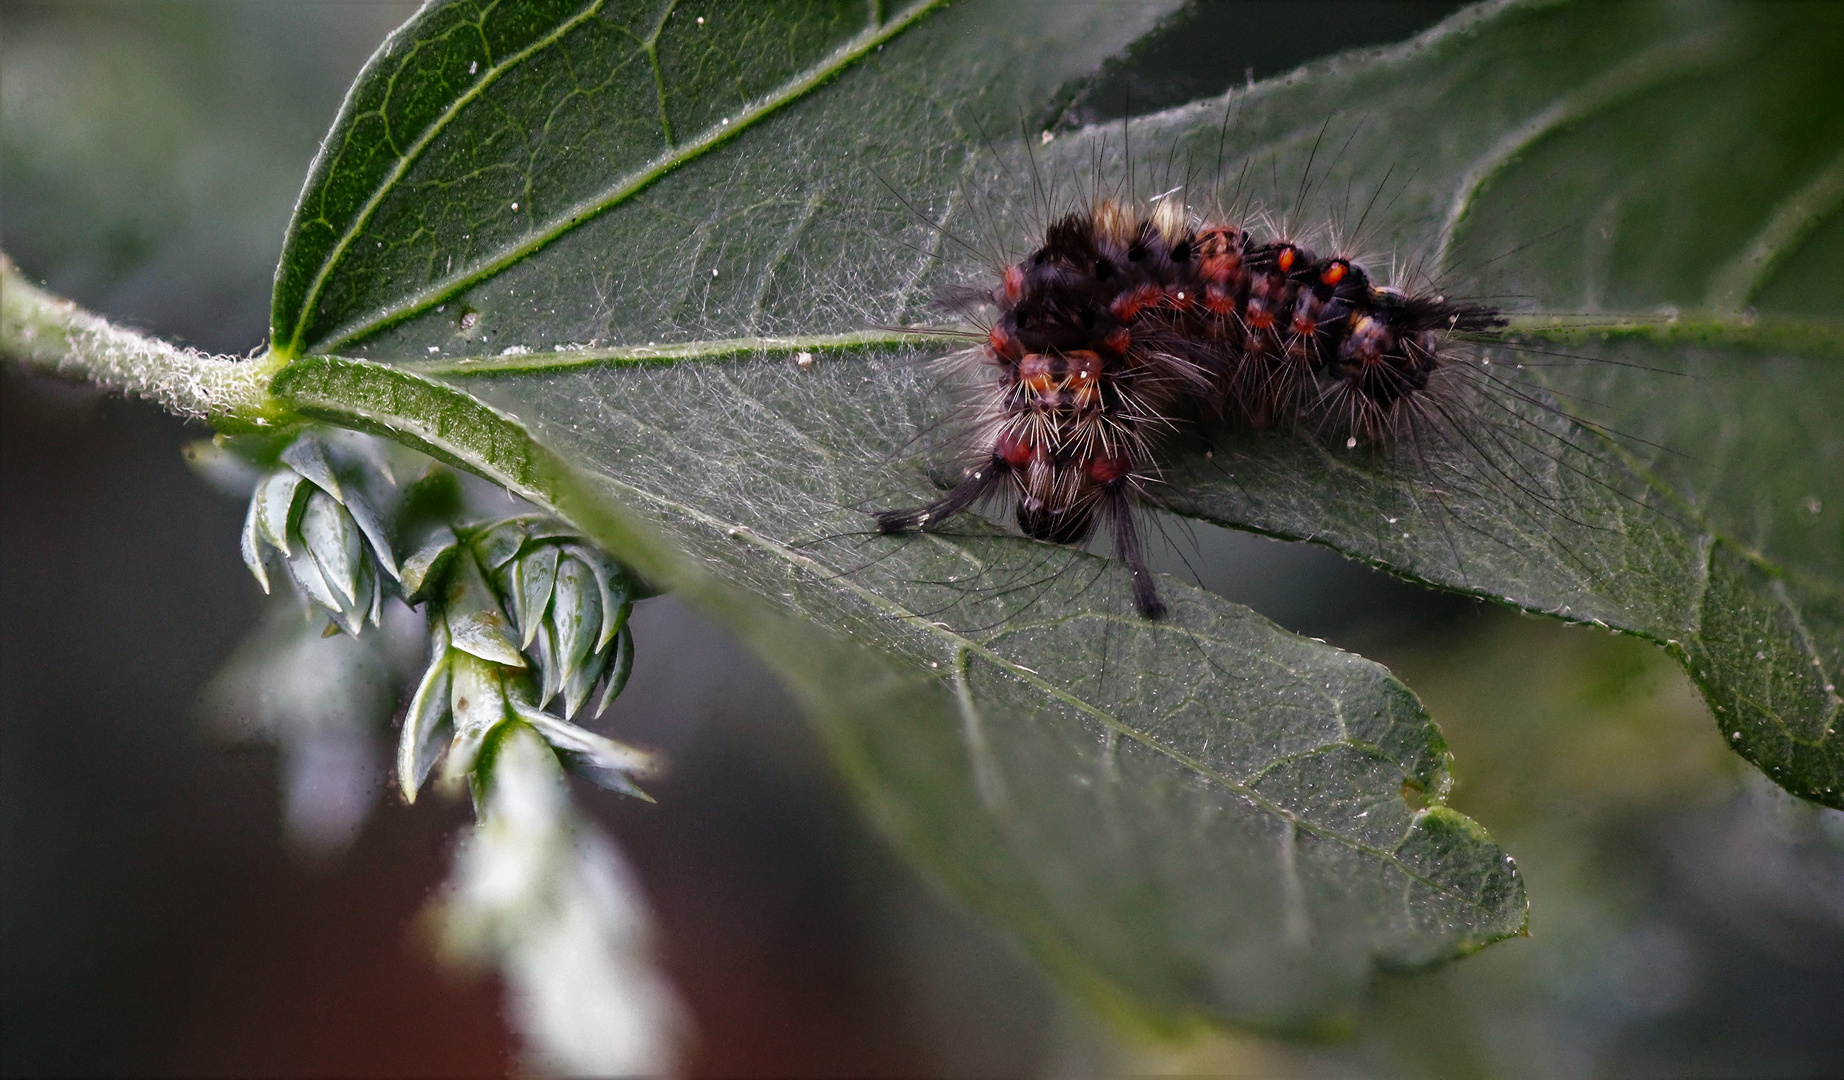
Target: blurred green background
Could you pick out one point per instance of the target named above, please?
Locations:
(1687, 918)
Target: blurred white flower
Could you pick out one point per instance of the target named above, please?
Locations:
(320, 701)
(542, 895)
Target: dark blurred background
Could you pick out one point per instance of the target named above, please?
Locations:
(1687, 919)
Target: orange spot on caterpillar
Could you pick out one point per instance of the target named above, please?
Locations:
(1034, 373)
(1334, 274)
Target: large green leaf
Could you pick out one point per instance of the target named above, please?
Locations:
(1204, 818)
(608, 232)
(1681, 168)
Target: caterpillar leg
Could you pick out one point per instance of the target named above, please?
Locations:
(1119, 509)
(968, 492)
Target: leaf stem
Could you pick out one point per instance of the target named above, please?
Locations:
(47, 333)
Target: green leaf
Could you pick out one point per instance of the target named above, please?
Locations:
(611, 589)
(478, 705)
(476, 622)
(610, 764)
(530, 585)
(496, 547)
(1686, 488)
(1202, 818)
(619, 667)
(277, 499)
(1678, 476)
(426, 565)
(427, 724)
(308, 456)
(334, 542)
(250, 546)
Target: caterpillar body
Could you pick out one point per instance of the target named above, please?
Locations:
(1122, 323)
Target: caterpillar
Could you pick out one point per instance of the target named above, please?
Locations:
(1122, 323)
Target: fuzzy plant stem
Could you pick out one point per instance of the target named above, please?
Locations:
(47, 333)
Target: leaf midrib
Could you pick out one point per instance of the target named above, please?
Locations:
(1812, 338)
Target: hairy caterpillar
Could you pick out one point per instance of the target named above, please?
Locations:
(1120, 324)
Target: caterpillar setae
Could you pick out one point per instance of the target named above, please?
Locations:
(1122, 323)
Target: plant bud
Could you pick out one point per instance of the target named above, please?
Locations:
(326, 533)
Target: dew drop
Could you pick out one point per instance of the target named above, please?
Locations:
(1351, 443)
(473, 67)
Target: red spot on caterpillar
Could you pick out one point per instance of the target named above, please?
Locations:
(1014, 284)
(1284, 259)
(1129, 304)
(1334, 274)
(1014, 449)
(1118, 341)
(1002, 344)
(1108, 470)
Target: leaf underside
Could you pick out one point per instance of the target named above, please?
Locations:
(603, 236)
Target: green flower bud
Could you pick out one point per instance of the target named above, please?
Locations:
(570, 605)
(478, 679)
(327, 534)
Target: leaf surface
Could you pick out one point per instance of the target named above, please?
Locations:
(1201, 819)
(606, 252)
(1658, 189)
